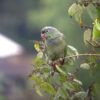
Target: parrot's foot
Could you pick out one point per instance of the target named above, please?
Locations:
(59, 62)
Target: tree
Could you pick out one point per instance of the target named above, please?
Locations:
(63, 83)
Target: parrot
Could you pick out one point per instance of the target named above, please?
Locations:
(55, 44)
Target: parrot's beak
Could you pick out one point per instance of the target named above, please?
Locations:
(43, 36)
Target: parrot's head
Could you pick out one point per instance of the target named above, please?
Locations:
(49, 33)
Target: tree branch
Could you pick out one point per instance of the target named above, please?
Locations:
(86, 26)
(79, 55)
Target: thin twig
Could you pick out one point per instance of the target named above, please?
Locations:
(79, 55)
(86, 26)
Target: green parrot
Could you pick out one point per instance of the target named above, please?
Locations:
(55, 44)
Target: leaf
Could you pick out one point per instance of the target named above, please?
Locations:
(93, 61)
(77, 81)
(73, 9)
(78, 18)
(48, 88)
(60, 70)
(72, 51)
(38, 91)
(85, 66)
(96, 30)
(61, 94)
(68, 86)
(76, 10)
(87, 36)
(78, 15)
(40, 54)
(79, 96)
(56, 79)
(98, 12)
(46, 69)
(97, 24)
(38, 62)
(36, 79)
(41, 85)
(37, 46)
(92, 11)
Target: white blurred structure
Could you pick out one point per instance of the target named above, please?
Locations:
(14, 58)
(8, 47)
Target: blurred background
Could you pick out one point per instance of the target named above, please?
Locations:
(20, 22)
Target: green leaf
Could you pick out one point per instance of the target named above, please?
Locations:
(60, 70)
(38, 91)
(40, 55)
(97, 24)
(92, 59)
(56, 79)
(73, 9)
(78, 18)
(70, 52)
(68, 86)
(76, 10)
(85, 66)
(48, 88)
(96, 30)
(37, 46)
(61, 94)
(79, 96)
(92, 11)
(46, 69)
(98, 12)
(38, 62)
(77, 81)
(36, 79)
(87, 36)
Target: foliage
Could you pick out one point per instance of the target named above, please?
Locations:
(60, 82)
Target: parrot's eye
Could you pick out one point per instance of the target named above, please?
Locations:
(43, 32)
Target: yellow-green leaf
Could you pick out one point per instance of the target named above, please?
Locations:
(40, 54)
(37, 46)
(85, 66)
(48, 88)
(87, 36)
(73, 9)
(77, 81)
(60, 70)
(38, 91)
(96, 30)
(37, 80)
(76, 10)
